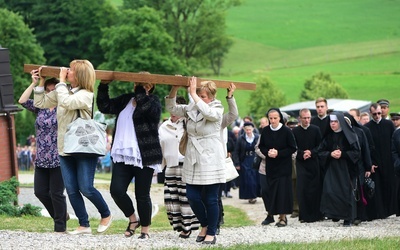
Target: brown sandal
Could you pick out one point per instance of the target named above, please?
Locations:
(130, 231)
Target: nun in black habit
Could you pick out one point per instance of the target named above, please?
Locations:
(364, 167)
(339, 152)
(277, 143)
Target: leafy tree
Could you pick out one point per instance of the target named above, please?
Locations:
(198, 28)
(67, 30)
(23, 48)
(265, 97)
(321, 84)
(139, 42)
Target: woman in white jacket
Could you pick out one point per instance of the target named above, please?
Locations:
(204, 164)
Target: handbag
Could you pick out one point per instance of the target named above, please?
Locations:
(184, 140)
(85, 136)
(369, 187)
(256, 162)
(230, 172)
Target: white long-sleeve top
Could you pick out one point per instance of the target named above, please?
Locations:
(170, 134)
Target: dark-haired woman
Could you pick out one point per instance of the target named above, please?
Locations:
(135, 150)
(277, 143)
(48, 182)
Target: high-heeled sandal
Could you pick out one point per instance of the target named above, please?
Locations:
(130, 231)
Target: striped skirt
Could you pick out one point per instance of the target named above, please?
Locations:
(180, 215)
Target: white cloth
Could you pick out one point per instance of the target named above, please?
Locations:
(170, 134)
(125, 144)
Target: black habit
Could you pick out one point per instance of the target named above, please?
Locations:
(323, 124)
(279, 169)
(308, 173)
(383, 203)
(396, 161)
(338, 199)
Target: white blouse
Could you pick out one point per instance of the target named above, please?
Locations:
(125, 144)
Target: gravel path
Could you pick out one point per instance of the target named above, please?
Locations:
(294, 232)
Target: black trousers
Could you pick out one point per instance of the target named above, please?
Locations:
(121, 178)
(49, 189)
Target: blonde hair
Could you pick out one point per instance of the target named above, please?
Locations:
(85, 76)
(321, 99)
(209, 87)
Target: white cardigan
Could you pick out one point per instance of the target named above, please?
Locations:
(170, 133)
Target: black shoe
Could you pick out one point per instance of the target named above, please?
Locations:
(268, 220)
(347, 223)
(212, 242)
(185, 235)
(357, 222)
(144, 236)
(335, 220)
(200, 238)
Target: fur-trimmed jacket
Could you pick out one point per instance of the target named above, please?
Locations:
(146, 118)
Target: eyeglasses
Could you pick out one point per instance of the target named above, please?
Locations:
(377, 113)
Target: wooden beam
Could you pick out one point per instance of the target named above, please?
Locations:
(52, 71)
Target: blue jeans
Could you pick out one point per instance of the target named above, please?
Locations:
(203, 200)
(78, 174)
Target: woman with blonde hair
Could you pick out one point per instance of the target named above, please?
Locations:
(204, 163)
(77, 170)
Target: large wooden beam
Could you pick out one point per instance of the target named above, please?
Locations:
(52, 71)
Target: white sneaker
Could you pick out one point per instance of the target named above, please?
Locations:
(86, 230)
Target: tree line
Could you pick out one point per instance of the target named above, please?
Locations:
(159, 36)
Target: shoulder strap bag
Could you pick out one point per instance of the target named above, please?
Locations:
(85, 136)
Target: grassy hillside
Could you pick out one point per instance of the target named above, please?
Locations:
(356, 41)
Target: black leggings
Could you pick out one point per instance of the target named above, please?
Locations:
(121, 178)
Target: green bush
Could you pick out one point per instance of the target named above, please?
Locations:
(8, 199)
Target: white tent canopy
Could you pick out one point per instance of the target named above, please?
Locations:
(333, 104)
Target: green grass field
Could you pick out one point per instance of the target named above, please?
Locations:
(356, 41)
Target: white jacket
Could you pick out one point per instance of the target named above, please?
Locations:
(205, 157)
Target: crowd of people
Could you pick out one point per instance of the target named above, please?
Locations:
(313, 168)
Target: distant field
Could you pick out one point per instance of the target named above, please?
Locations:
(294, 24)
(356, 41)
